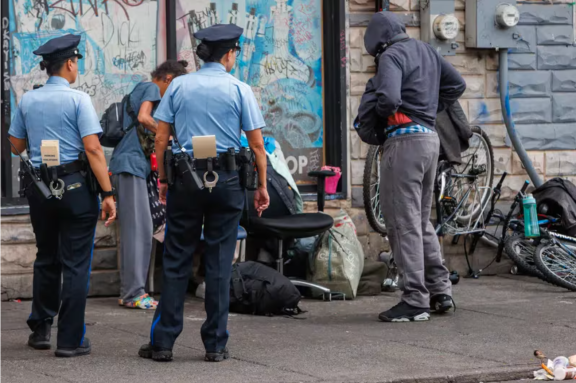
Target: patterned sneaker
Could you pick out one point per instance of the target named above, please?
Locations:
(144, 302)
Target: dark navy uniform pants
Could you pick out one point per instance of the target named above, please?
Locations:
(64, 232)
(186, 211)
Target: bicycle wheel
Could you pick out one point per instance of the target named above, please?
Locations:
(521, 251)
(371, 190)
(478, 161)
(557, 261)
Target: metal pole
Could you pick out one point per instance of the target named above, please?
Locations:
(507, 114)
(171, 50)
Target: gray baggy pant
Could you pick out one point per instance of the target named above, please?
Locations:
(408, 170)
(136, 233)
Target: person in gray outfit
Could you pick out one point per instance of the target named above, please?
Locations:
(412, 84)
(130, 168)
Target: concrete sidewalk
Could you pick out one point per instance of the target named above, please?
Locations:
(500, 321)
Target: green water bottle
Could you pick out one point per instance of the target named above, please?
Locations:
(531, 227)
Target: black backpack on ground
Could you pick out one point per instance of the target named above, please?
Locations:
(112, 122)
(260, 290)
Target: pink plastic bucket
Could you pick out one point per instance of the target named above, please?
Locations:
(332, 182)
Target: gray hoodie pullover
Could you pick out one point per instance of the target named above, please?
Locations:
(411, 77)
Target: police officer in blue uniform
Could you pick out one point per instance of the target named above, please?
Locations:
(65, 221)
(207, 102)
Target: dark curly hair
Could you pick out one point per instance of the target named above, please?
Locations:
(173, 67)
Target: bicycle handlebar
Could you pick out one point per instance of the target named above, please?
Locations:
(499, 186)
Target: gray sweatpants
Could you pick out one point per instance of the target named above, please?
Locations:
(136, 233)
(408, 170)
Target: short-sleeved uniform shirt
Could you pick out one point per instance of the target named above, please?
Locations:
(210, 102)
(55, 112)
(128, 156)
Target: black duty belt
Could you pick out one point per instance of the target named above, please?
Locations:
(222, 162)
(66, 169)
(217, 164)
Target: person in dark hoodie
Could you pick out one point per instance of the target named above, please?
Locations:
(412, 84)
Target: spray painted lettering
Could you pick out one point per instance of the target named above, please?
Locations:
(118, 44)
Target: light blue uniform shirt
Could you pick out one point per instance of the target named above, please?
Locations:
(55, 112)
(210, 102)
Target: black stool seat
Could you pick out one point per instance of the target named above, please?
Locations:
(291, 226)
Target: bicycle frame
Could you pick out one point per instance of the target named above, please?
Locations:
(473, 227)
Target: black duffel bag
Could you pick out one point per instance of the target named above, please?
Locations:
(260, 290)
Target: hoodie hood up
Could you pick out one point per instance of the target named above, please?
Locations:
(382, 28)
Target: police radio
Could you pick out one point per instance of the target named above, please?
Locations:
(28, 168)
(248, 173)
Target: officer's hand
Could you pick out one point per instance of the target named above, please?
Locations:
(108, 209)
(163, 191)
(261, 200)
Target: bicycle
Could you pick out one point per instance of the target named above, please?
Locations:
(453, 179)
(555, 257)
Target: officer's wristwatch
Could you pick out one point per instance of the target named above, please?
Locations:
(111, 193)
(163, 181)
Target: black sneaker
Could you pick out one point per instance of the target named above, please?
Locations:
(403, 312)
(217, 356)
(84, 349)
(156, 353)
(442, 303)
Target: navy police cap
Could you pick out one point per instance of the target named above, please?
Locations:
(219, 33)
(60, 48)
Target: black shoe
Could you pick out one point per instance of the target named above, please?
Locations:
(40, 338)
(403, 312)
(156, 353)
(39, 342)
(217, 356)
(84, 349)
(442, 303)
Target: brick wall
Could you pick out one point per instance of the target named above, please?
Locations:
(19, 253)
(542, 89)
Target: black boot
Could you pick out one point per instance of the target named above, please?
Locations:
(156, 353)
(218, 356)
(84, 349)
(40, 338)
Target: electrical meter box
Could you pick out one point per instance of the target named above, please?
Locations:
(492, 24)
(438, 25)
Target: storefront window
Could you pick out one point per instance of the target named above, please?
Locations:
(281, 59)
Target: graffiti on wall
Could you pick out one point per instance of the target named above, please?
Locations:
(280, 59)
(118, 44)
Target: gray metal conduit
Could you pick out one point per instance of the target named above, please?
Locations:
(507, 114)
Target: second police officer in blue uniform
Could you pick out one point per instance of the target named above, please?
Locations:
(208, 102)
(64, 215)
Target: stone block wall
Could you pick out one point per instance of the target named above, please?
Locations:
(19, 252)
(542, 90)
